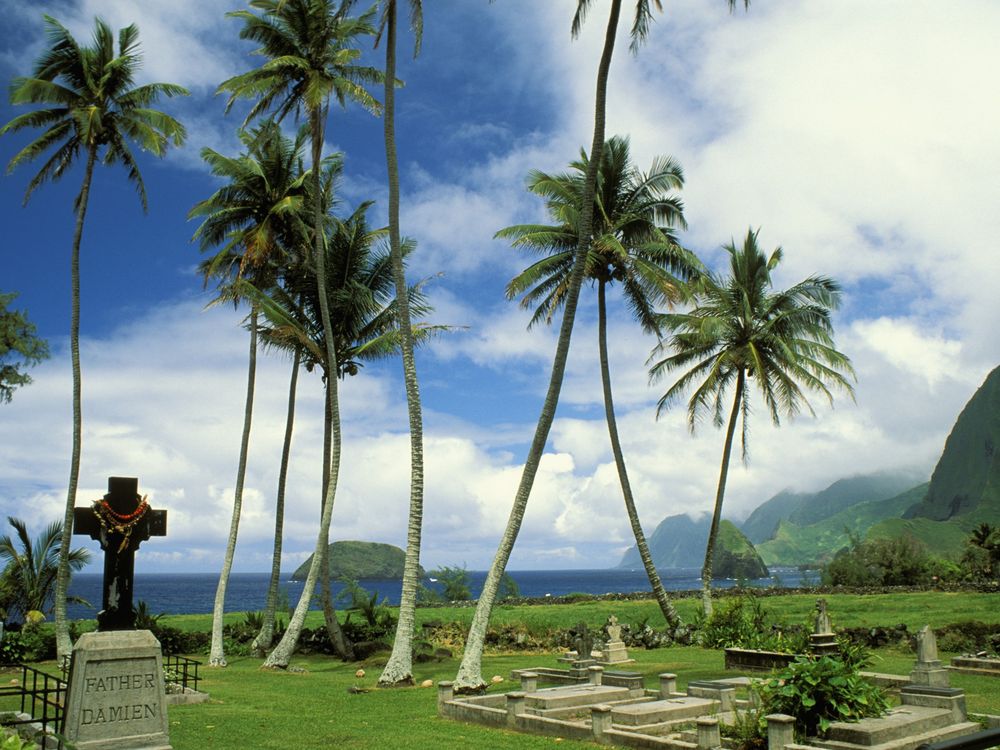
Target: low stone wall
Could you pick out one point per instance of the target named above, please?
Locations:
(752, 660)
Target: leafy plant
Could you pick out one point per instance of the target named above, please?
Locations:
(144, 619)
(818, 691)
(454, 582)
(748, 730)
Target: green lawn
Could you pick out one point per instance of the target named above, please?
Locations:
(261, 709)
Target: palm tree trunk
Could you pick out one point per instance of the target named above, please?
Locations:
(264, 638)
(668, 610)
(341, 646)
(469, 677)
(217, 656)
(64, 646)
(283, 651)
(399, 669)
(706, 570)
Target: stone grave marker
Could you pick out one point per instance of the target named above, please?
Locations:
(117, 698)
(928, 670)
(120, 521)
(614, 651)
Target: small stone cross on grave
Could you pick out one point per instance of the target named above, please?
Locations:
(120, 521)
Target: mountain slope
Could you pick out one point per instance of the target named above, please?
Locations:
(967, 477)
(679, 542)
(804, 545)
(804, 508)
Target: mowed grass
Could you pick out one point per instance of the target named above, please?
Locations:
(914, 609)
(316, 708)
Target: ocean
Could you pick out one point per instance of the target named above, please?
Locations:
(194, 593)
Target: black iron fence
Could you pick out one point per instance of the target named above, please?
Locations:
(978, 741)
(179, 670)
(42, 698)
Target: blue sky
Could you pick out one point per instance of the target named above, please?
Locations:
(859, 136)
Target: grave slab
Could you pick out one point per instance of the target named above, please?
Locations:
(655, 712)
(116, 698)
(574, 695)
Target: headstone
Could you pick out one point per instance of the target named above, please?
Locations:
(928, 670)
(822, 640)
(120, 521)
(116, 698)
(614, 651)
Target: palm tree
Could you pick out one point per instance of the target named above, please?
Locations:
(32, 566)
(399, 669)
(264, 638)
(469, 677)
(738, 331)
(633, 245)
(307, 43)
(361, 301)
(90, 105)
(253, 217)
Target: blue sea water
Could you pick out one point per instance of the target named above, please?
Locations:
(194, 593)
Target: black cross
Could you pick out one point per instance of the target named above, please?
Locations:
(119, 548)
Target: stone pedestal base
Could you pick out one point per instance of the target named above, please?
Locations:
(930, 673)
(116, 698)
(615, 653)
(952, 699)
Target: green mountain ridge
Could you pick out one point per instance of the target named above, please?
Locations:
(679, 542)
(358, 560)
(818, 542)
(963, 492)
(967, 477)
(806, 508)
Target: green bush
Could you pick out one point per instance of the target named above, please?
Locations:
(818, 691)
(890, 561)
(743, 622)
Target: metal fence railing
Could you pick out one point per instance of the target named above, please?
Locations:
(978, 741)
(42, 698)
(179, 670)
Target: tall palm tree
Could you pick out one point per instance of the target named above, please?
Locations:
(633, 245)
(264, 638)
(31, 567)
(399, 669)
(310, 60)
(741, 330)
(253, 217)
(362, 304)
(89, 104)
(469, 677)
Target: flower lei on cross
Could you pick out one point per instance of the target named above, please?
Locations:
(120, 523)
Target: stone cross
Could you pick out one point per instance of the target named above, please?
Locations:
(614, 629)
(120, 521)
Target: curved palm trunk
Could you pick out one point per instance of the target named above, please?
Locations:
(64, 645)
(469, 677)
(283, 651)
(217, 656)
(668, 610)
(264, 638)
(399, 669)
(341, 646)
(706, 570)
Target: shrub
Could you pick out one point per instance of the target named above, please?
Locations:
(890, 561)
(818, 691)
(454, 582)
(742, 622)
